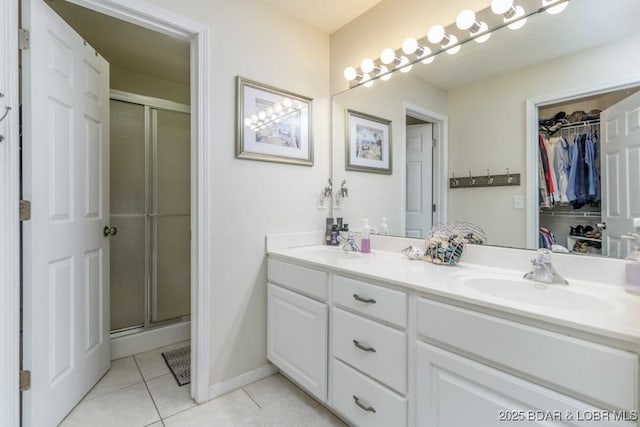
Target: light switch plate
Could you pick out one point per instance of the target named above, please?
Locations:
(518, 202)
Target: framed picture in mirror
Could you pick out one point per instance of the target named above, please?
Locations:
(273, 125)
(368, 143)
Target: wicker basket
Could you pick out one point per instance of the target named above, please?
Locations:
(445, 242)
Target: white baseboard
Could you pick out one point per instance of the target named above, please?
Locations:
(225, 387)
(148, 340)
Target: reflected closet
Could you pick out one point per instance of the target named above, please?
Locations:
(150, 209)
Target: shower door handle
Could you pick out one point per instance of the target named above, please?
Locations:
(109, 231)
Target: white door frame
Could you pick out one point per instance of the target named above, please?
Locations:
(9, 224)
(157, 19)
(440, 159)
(532, 105)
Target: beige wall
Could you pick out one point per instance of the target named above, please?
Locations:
(248, 198)
(141, 84)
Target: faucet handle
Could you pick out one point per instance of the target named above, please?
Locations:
(542, 256)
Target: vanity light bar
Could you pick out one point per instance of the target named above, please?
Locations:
(514, 17)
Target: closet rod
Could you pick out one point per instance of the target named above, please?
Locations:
(573, 215)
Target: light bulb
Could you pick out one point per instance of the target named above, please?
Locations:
(436, 34)
(262, 115)
(387, 56)
(483, 28)
(247, 121)
(404, 65)
(465, 19)
(367, 65)
(425, 53)
(517, 25)
(383, 70)
(349, 73)
(500, 7)
(453, 40)
(555, 9)
(409, 45)
(254, 118)
(366, 80)
(269, 111)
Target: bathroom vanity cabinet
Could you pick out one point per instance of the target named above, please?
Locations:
(382, 354)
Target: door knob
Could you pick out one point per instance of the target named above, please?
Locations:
(109, 231)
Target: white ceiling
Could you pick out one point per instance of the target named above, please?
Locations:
(326, 15)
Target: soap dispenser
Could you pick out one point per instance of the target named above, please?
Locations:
(632, 269)
(365, 242)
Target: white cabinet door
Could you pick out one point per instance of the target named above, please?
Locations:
(65, 95)
(453, 391)
(297, 329)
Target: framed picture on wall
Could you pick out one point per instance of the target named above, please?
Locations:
(273, 125)
(368, 143)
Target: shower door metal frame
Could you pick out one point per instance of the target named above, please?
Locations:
(151, 106)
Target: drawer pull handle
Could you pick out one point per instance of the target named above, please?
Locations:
(363, 347)
(367, 300)
(363, 406)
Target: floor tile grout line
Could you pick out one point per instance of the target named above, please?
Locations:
(149, 391)
(251, 397)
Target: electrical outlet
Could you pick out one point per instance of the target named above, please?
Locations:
(518, 202)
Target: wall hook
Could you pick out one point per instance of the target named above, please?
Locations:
(472, 180)
(6, 111)
(509, 177)
(489, 179)
(455, 180)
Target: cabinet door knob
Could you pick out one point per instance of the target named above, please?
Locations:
(362, 406)
(366, 300)
(363, 347)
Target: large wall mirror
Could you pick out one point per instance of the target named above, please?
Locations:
(478, 111)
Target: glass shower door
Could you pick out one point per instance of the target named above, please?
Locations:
(170, 216)
(128, 203)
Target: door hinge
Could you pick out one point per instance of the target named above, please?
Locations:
(25, 210)
(434, 142)
(433, 207)
(25, 380)
(23, 39)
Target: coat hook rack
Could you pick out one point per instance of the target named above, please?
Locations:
(488, 180)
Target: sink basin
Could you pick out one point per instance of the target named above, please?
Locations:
(537, 295)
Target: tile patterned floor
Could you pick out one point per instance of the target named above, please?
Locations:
(139, 391)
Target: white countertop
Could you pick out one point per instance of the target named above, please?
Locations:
(620, 321)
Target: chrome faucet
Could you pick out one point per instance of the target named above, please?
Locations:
(350, 244)
(543, 270)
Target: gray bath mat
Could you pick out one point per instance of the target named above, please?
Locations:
(179, 363)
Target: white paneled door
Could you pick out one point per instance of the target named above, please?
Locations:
(66, 256)
(419, 180)
(620, 173)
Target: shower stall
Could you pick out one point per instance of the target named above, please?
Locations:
(150, 213)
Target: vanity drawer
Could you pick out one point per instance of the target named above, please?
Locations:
(375, 301)
(302, 279)
(354, 340)
(602, 373)
(349, 385)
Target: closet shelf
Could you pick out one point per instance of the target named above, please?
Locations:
(573, 214)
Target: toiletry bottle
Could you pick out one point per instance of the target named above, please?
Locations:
(327, 231)
(384, 228)
(334, 235)
(632, 268)
(365, 242)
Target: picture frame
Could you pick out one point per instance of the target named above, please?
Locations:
(368, 143)
(273, 125)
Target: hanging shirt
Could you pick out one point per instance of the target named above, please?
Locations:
(560, 165)
(545, 164)
(590, 158)
(581, 173)
(573, 167)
